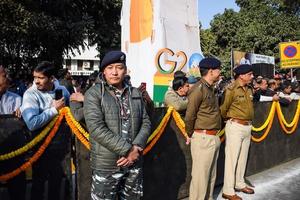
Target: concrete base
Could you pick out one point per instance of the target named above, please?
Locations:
(280, 182)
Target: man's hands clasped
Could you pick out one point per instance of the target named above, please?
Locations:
(131, 158)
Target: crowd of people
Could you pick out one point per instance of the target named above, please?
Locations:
(278, 88)
(116, 115)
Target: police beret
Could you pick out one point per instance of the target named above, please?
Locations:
(242, 69)
(210, 63)
(113, 57)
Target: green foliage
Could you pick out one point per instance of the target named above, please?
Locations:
(35, 30)
(258, 27)
(107, 30)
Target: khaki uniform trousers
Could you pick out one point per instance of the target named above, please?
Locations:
(205, 152)
(238, 138)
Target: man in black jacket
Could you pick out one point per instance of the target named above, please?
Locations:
(119, 127)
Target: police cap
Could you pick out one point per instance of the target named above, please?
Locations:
(112, 57)
(242, 69)
(210, 63)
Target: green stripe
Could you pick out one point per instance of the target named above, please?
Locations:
(159, 93)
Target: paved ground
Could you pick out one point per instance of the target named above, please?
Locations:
(279, 183)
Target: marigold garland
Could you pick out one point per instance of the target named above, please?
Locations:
(265, 124)
(285, 130)
(37, 154)
(282, 124)
(161, 124)
(75, 130)
(153, 142)
(282, 118)
(76, 123)
(254, 139)
(31, 144)
(180, 123)
(221, 132)
(160, 129)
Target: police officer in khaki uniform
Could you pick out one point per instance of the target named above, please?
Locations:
(203, 121)
(237, 108)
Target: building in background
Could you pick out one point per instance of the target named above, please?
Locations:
(83, 63)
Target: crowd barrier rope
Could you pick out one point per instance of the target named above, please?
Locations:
(31, 144)
(36, 155)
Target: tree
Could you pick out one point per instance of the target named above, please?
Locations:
(106, 32)
(258, 27)
(34, 30)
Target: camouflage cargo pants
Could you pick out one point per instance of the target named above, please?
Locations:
(124, 184)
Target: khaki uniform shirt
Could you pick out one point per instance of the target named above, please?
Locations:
(238, 102)
(173, 99)
(203, 109)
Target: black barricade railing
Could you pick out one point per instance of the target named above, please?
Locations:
(287, 117)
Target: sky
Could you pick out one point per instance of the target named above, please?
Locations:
(208, 8)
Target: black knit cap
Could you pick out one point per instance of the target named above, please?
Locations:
(209, 63)
(242, 69)
(112, 57)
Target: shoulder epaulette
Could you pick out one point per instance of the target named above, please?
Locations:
(200, 85)
(231, 86)
(197, 86)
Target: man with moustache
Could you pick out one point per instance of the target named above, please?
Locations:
(237, 109)
(203, 121)
(119, 127)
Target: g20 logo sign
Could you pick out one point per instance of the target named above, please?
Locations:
(173, 65)
(169, 66)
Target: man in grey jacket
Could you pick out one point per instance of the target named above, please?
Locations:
(119, 127)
